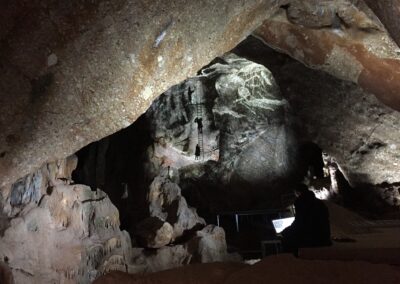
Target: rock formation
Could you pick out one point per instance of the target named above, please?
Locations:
(246, 130)
(168, 204)
(342, 38)
(205, 246)
(61, 232)
(74, 73)
(175, 224)
(352, 126)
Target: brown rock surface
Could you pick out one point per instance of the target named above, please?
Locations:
(358, 49)
(74, 72)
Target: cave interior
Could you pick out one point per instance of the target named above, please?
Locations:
(188, 176)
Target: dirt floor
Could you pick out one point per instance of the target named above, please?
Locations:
(274, 269)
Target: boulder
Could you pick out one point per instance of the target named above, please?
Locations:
(154, 233)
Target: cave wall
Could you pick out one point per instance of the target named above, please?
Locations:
(112, 59)
(388, 12)
(74, 72)
(352, 126)
(343, 38)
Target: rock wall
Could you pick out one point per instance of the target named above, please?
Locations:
(75, 72)
(112, 59)
(343, 38)
(246, 139)
(346, 122)
(388, 12)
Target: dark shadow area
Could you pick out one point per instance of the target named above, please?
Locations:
(115, 165)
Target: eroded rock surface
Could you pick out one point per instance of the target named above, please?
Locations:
(246, 139)
(76, 72)
(167, 203)
(152, 232)
(206, 245)
(59, 232)
(388, 12)
(176, 234)
(343, 38)
(349, 124)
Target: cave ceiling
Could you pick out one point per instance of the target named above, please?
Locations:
(76, 71)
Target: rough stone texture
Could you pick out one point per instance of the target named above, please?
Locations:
(207, 245)
(72, 236)
(349, 124)
(357, 49)
(113, 59)
(31, 188)
(246, 142)
(167, 204)
(174, 131)
(154, 233)
(62, 233)
(354, 127)
(161, 259)
(254, 125)
(389, 13)
(211, 244)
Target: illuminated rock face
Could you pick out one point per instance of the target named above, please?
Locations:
(354, 127)
(245, 142)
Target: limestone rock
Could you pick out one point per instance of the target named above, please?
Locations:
(245, 129)
(167, 203)
(353, 127)
(31, 188)
(211, 245)
(207, 245)
(359, 50)
(71, 234)
(154, 233)
(108, 71)
(172, 118)
(163, 258)
(251, 115)
(388, 12)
